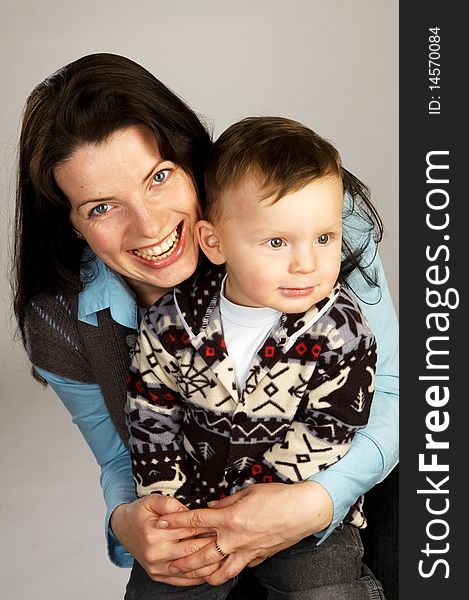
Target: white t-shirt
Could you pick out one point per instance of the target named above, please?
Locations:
(245, 330)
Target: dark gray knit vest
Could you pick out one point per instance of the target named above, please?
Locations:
(58, 342)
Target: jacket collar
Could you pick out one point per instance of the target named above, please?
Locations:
(197, 302)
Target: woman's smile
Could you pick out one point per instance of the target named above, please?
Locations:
(161, 250)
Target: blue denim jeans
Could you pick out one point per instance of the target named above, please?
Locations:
(331, 571)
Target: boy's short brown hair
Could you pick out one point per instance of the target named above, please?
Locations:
(281, 154)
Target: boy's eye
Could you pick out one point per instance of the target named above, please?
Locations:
(101, 209)
(160, 176)
(323, 239)
(275, 243)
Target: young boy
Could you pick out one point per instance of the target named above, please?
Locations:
(261, 369)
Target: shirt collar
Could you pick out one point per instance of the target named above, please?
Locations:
(105, 289)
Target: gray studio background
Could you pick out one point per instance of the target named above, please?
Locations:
(332, 65)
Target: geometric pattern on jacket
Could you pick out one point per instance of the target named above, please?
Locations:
(195, 436)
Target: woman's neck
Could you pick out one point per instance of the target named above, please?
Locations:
(146, 294)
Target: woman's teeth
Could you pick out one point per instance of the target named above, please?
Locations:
(161, 250)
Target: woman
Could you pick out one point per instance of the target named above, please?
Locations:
(109, 184)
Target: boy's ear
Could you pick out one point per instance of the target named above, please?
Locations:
(209, 241)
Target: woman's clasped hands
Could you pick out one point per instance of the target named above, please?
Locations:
(248, 527)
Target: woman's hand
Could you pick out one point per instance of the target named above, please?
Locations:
(251, 525)
(135, 526)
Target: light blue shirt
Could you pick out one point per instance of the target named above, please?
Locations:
(374, 451)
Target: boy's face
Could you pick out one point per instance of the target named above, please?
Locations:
(284, 255)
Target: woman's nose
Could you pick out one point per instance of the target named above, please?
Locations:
(144, 221)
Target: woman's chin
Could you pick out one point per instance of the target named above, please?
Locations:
(174, 271)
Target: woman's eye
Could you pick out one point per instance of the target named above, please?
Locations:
(161, 176)
(275, 243)
(324, 238)
(101, 209)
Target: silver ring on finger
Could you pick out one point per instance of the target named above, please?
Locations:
(220, 550)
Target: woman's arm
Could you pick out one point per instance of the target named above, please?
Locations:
(133, 521)
(86, 405)
(375, 449)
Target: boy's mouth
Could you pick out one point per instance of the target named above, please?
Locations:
(297, 292)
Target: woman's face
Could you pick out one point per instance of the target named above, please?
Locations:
(136, 211)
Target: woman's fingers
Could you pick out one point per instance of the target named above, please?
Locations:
(160, 504)
(194, 519)
(216, 571)
(158, 568)
(227, 500)
(203, 572)
(229, 568)
(185, 533)
(179, 581)
(186, 548)
(196, 562)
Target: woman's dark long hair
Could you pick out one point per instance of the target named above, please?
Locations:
(360, 220)
(85, 102)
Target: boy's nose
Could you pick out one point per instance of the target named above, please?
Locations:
(303, 261)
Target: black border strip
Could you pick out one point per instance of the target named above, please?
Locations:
(433, 221)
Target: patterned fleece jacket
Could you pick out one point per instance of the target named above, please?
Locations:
(195, 436)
